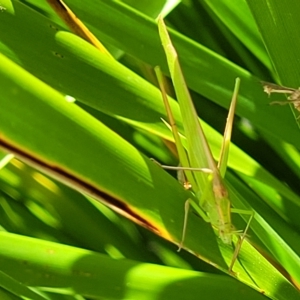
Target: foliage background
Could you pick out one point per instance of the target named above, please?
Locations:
(57, 243)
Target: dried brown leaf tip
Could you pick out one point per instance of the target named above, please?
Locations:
(293, 98)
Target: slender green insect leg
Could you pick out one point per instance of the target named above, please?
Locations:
(241, 238)
(186, 213)
(235, 254)
(200, 212)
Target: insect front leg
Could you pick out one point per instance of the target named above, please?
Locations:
(199, 210)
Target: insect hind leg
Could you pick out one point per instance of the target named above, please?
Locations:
(240, 236)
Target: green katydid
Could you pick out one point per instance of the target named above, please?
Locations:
(197, 162)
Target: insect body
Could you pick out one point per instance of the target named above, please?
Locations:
(198, 164)
(293, 98)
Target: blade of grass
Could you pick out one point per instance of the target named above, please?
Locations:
(76, 25)
(278, 24)
(19, 289)
(94, 275)
(236, 16)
